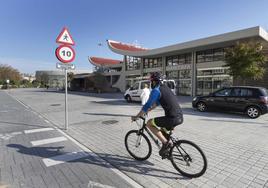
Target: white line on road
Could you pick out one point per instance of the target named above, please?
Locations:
(59, 159)
(48, 141)
(92, 184)
(38, 130)
(115, 170)
(118, 172)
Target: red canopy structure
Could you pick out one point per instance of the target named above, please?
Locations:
(98, 61)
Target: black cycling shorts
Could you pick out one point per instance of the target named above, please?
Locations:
(167, 122)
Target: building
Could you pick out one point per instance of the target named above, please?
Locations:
(54, 79)
(197, 66)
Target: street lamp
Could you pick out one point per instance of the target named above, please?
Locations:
(7, 81)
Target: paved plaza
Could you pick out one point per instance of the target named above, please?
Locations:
(236, 147)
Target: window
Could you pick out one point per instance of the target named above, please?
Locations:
(223, 93)
(133, 63)
(135, 87)
(208, 55)
(218, 54)
(240, 92)
(188, 58)
(169, 61)
(179, 59)
(200, 57)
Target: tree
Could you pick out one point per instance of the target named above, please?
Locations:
(43, 79)
(9, 73)
(70, 77)
(100, 82)
(246, 61)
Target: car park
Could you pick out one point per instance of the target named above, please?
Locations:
(253, 101)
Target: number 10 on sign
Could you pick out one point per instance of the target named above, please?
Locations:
(65, 53)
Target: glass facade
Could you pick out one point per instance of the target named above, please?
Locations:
(133, 63)
(152, 62)
(179, 68)
(182, 75)
(182, 79)
(210, 80)
(209, 55)
(180, 59)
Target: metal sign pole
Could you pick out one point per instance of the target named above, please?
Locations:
(66, 100)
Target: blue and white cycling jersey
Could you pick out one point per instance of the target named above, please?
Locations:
(153, 99)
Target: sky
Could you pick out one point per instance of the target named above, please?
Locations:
(29, 28)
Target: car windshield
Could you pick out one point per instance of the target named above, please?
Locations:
(265, 91)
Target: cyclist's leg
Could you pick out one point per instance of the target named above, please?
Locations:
(155, 130)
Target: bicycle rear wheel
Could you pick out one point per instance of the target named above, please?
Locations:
(138, 145)
(188, 159)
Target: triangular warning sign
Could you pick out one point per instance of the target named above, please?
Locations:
(65, 37)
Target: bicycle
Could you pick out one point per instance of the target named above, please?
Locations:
(181, 154)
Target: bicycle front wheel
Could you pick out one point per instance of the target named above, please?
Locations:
(138, 145)
(188, 159)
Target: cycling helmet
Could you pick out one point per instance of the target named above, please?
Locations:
(156, 76)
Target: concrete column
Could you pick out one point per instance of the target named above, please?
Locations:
(194, 75)
(164, 65)
(141, 66)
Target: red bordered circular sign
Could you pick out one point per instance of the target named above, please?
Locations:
(65, 53)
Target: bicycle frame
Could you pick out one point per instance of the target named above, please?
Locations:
(156, 141)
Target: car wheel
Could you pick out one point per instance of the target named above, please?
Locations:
(201, 106)
(128, 98)
(253, 112)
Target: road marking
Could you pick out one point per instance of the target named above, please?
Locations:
(92, 184)
(38, 130)
(59, 159)
(114, 169)
(7, 136)
(48, 141)
(109, 165)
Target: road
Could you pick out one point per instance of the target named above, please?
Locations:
(34, 153)
(236, 147)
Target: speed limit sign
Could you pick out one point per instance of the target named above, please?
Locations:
(65, 53)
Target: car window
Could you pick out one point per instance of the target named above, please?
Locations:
(223, 93)
(135, 87)
(242, 92)
(143, 84)
(246, 93)
(265, 92)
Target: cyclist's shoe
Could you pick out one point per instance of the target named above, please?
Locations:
(164, 151)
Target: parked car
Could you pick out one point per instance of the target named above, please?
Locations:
(133, 93)
(253, 101)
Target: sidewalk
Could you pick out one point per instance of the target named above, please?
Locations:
(235, 146)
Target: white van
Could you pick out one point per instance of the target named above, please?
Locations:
(133, 93)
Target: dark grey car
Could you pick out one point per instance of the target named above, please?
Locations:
(251, 100)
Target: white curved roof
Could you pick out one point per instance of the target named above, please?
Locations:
(130, 50)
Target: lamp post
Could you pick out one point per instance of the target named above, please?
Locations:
(7, 81)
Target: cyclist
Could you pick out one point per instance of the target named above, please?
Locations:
(161, 94)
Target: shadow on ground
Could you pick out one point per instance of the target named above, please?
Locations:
(25, 124)
(122, 163)
(215, 114)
